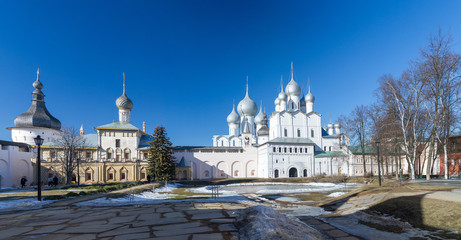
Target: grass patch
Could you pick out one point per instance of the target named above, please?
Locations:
(425, 213)
(314, 196)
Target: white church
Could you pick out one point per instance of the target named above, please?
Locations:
(294, 144)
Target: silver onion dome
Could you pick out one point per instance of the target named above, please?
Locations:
(263, 131)
(37, 115)
(282, 96)
(233, 117)
(123, 102)
(337, 125)
(247, 107)
(310, 97)
(330, 125)
(261, 116)
(293, 89)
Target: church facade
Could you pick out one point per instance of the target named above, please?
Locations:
(293, 144)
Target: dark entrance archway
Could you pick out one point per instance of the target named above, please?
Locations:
(276, 173)
(293, 172)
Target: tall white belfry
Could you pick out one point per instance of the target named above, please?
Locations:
(124, 105)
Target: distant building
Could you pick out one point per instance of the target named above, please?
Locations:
(15, 163)
(454, 155)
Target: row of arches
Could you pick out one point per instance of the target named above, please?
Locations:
(225, 170)
(118, 154)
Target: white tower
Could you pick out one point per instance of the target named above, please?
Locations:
(36, 121)
(124, 105)
(260, 118)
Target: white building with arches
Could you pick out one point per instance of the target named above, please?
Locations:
(292, 144)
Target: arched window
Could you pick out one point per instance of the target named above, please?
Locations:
(329, 149)
(276, 173)
(285, 132)
(325, 148)
(109, 153)
(273, 150)
(299, 133)
(233, 143)
(126, 154)
(305, 173)
(312, 133)
(292, 105)
(291, 150)
(285, 150)
(123, 174)
(296, 150)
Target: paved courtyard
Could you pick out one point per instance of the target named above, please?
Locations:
(181, 220)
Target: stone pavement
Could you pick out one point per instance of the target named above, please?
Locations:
(180, 220)
(328, 230)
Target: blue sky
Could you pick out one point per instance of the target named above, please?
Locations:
(187, 61)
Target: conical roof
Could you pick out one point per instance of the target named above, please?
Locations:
(37, 115)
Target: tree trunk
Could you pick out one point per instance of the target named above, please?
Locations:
(445, 159)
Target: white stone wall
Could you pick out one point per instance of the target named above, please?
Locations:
(220, 162)
(14, 165)
(27, 135)
(283, 160)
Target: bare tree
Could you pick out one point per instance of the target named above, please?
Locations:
(440, 68)
(359, 127)
(71, 143)
(406, 96)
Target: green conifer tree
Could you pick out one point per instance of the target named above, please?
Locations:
(161, 165)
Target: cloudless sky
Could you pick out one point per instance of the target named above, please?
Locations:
(187, 61)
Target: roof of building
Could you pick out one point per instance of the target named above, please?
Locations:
(10, 143)
(358, 149)
(182, 163)
(330, 154)
(119, 126)
(90, 141)
(205, 148)
(37, 115)
(291, 140)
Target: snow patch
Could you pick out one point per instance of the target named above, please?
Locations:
(336, 194)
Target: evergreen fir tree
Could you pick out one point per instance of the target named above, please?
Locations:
(161, 165)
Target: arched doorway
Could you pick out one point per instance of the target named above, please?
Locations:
(276, 173)
(305, 173)
(293, 172)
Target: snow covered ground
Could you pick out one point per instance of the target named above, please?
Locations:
(23, 203)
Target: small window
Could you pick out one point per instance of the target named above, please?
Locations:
(273, 150)
(312, 133)
(285, 149)
(292, 105)
(143, 175)
(207, 173)
(109, 155)
(299, 133)
(291, 150)
(276, 173)
(88, 154)
(296, 150)
(285, 132)
(233, 143)
(325, 148)
(280, 149)
(111, 176)
(300, 150)
(276, 161)
(53, 154)
(146, 155)
(306, 150)
(127, 156)
(117, 143)
(122, 176)
(329, 148)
